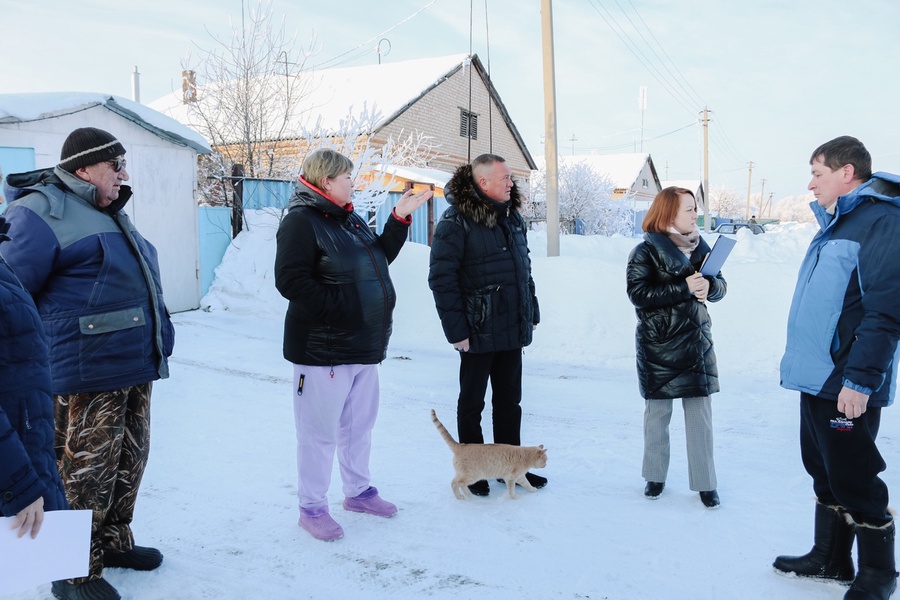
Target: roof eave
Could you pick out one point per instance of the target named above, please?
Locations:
(123, 112)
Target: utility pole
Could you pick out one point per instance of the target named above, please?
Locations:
(573, 139)
(706, 216)
(762, 193)
(642, 104)
(749, 180)
(769, 203)
(551, 155)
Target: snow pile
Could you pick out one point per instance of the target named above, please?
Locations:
(219, 494)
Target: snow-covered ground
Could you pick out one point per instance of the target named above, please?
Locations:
(219, 494)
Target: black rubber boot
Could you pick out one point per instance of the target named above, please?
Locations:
(830, 555)
(138, 558)
(877, 578)
(95, 589)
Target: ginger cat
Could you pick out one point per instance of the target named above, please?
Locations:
(485, 461)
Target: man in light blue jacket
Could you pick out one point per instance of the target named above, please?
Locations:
(841, 352)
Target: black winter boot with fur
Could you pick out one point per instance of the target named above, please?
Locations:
(830, 556)
(877, 578)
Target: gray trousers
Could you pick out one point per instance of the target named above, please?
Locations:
(698, 435)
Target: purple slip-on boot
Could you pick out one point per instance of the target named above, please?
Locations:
(371, 503)
(318, 522)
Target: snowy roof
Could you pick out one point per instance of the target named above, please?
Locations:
(386, 88)
(621, 169)
(434, 177)
(19, 108)
(688, 184)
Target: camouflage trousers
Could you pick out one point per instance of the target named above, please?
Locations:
(102, 445)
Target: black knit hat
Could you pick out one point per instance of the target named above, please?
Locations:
(88, 146)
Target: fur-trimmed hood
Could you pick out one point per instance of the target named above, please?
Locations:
(461, 192)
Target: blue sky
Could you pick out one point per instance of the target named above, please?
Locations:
(779, 77)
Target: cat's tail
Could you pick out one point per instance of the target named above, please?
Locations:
(443, 430)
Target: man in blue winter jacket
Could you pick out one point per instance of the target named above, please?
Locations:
(841, 353)
(95, 281)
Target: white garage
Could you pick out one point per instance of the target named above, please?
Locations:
(162, 163)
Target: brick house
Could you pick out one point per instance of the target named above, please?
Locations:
(428, 96)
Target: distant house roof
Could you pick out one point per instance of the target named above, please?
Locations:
(695, 185)
(621, 169)
(688, 184)
(22, 108)
(388, 88)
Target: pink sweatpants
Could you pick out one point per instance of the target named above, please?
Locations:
(333, 412)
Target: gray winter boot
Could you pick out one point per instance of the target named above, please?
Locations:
(877, 578)
(830, 556)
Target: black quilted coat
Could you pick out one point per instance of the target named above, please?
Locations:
(675, 356)
(480, 270)
(334, 271)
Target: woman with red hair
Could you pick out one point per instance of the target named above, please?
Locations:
(675, 357)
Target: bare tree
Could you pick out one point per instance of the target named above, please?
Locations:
(245, 94)
(250, 97)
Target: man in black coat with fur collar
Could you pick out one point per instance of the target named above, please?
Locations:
(480, 274)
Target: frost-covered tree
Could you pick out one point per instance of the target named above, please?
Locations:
(727, 203)
(794, 208)
(372, 159)
(584, 199)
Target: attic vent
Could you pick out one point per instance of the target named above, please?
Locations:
(468, 124)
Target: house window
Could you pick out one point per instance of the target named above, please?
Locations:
(468, 124)
(645, 183)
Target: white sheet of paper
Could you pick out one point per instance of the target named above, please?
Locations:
(61, 550)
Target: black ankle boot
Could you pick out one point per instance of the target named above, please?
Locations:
(480, 488)
(877, 578)
(653, 489)
(830, 555)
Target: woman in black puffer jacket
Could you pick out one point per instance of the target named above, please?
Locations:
(675, 357)
(29, 480)
(334, 271)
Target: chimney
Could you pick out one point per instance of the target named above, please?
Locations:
(188, 87)
(136, 85)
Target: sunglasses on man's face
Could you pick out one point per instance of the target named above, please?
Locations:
(117, 163)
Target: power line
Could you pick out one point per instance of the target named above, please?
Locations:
(641, 56)
(366, 43)
(666, 54)
(626, 145)
(675, 83)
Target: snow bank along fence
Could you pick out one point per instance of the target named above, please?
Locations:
(274, 195)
